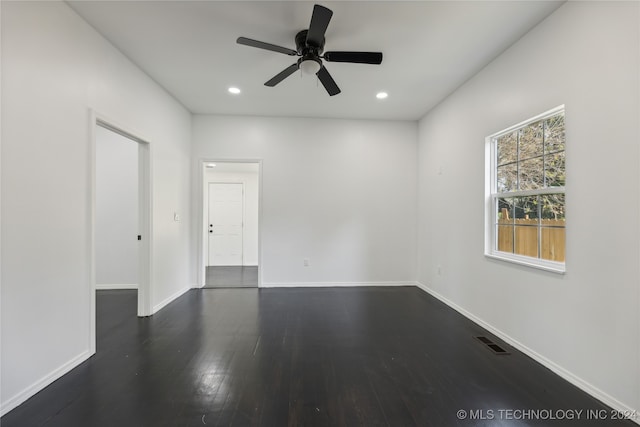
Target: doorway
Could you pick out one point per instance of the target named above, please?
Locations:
(116, 211)
(231, 228)
(120, 238)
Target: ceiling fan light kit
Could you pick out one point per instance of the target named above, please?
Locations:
(309, 66)
(310, 48)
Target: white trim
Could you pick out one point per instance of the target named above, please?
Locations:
(162, 304)
(260, 262)
(554, 367)
(200, 208)
(1, 348)
(335, 284)
(145, 222)
(638, 302)
(43, 382)
(540, 264)
(523, 123)
(116, 286)
(525, 193)
(91, 235)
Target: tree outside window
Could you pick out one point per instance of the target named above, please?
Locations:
(527, 189)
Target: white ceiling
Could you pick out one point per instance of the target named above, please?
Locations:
(430, 48)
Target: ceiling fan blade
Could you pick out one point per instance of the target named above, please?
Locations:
(282, 75)
(318, 26)
(268, 46)
(357, 57)
(327, 81)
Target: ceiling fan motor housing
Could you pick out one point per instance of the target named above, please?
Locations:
(305, 49)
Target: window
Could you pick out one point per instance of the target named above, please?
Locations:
(526, 193)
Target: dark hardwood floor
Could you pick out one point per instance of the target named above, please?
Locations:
(232, 277)
(299, 357)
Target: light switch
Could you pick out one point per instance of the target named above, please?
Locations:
(176, 216)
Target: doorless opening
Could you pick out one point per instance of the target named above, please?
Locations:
(116, 211)
(231, 224)
(120, 215)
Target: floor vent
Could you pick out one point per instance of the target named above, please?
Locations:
(495, 348)
(485, 340)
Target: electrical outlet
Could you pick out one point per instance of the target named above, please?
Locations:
(305, 262)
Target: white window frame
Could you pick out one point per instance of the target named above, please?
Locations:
(491, 196)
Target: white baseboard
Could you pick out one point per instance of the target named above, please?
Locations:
(117, 286)
(39, 385)
(559, 370)
(241, 265)
(333, 284)
(169, 299)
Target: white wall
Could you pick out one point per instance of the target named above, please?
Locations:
(250, 209)
(339, 192)
(586, 322)
(116, 210)
(55, 68)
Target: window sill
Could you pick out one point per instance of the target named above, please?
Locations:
(554, 267)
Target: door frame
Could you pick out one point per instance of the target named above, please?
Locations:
(202, 218)
(209, 212)
(145, 224)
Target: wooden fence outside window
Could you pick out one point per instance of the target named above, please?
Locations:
(528, 236)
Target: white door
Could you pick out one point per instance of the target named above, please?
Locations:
(225, 223)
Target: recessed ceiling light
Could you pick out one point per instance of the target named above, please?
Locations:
(211, 165)
(234, 90)
(382, 95)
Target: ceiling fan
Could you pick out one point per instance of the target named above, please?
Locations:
(309, 47)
